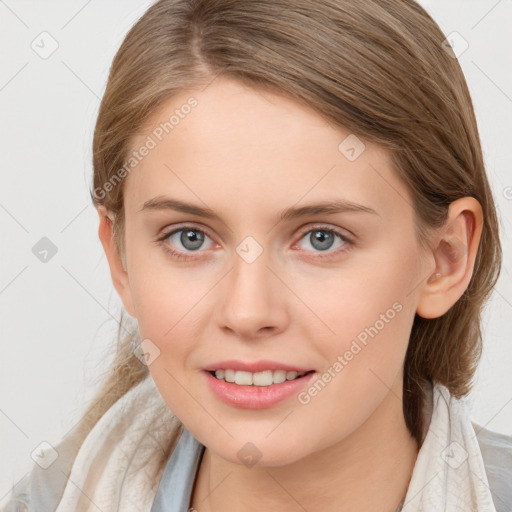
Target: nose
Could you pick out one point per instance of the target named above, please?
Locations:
(254, 303)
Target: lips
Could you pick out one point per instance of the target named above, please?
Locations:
(253, 385)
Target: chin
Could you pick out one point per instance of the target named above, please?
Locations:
(258, 453)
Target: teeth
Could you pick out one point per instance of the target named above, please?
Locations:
(243, 378)
(264, 378)
(279, 376)
(229, 375)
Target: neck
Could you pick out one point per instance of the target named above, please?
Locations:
(367, 471)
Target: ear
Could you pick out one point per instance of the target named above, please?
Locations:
(455, 249)
(117, 269)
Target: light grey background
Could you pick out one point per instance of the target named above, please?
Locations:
(59, 317)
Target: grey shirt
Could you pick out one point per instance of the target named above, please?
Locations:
(175, 490)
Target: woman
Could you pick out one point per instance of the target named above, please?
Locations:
(294, 207)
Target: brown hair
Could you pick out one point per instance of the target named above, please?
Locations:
(376, 67)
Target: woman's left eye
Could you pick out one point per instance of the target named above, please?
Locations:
(322, 239)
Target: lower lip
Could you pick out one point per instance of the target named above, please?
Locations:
(256, 397)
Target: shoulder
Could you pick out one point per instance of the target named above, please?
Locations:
(496, 449)
(42, 487)
(133, 425)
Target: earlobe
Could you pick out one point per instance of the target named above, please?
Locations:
(118, 271)
(455, 250)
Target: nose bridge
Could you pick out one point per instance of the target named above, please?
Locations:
(251, 278)
(253, 300)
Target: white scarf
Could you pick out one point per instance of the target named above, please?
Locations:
(449, 474)
(119, 466)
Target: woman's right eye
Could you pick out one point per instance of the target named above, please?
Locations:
(190, 239)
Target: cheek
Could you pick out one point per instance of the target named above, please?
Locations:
(371, 318)
(168, 308)
(351, 299)
(170, 304)
(365, 313)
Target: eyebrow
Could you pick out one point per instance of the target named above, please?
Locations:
(324, 207)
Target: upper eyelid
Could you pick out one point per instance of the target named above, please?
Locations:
(326, 227)
(167, 233)
(302, 230)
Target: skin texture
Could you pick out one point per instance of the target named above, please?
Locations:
(247, 155)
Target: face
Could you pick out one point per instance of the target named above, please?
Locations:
(265, 282)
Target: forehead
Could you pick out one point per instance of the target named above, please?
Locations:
(231, 145)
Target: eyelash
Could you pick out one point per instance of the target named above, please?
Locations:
(348, 242)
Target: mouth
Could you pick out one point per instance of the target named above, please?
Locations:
(261, 379)
(264, 387)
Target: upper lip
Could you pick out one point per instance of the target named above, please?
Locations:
(254, 366)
